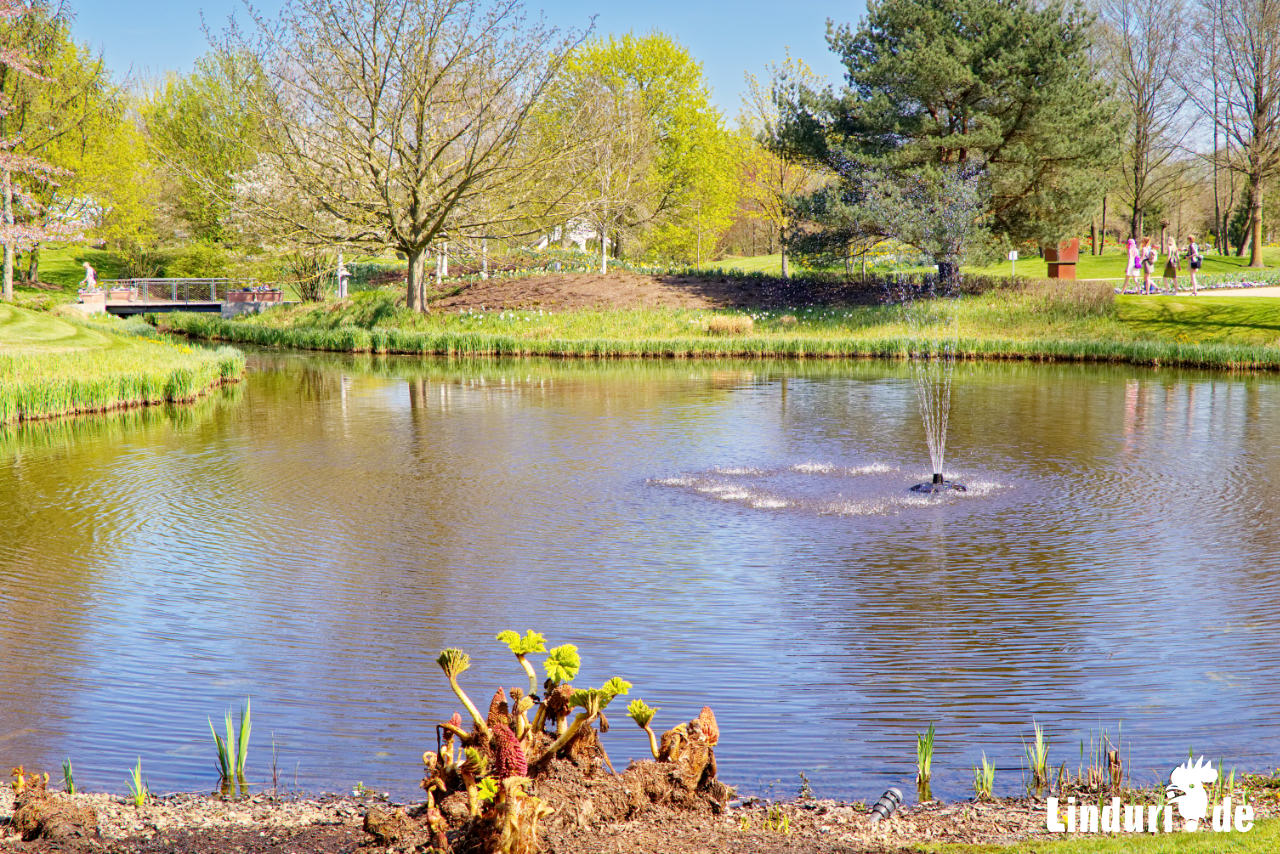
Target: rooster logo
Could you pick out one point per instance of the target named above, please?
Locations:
(1190, 780)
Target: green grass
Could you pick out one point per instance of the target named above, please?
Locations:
(1045, 322)
(51, 366)
(1109, 265)
(1264, 838)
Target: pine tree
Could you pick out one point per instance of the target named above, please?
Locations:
(1002, 89)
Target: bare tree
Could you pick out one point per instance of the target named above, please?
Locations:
(1238, 84)
(384, 121)
(1141, 52)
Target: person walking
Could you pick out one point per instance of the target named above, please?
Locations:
(1194, 260)
(1133, 266)
(90, 280)
(1171, 263)
(1148, 255)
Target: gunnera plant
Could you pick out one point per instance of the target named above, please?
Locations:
(482, 782)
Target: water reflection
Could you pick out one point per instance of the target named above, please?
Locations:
(729, 533)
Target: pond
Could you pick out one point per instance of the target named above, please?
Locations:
(736, 534)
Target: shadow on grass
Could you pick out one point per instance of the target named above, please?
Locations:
(1241, 320)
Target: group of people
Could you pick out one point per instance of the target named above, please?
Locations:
(1143, 257)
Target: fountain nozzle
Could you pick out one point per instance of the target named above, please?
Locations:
(937, 477)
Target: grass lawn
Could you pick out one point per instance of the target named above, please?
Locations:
(54, 366)
(1234, 320)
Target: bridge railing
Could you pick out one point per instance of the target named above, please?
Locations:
(175, 290)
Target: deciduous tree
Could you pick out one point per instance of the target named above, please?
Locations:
(382, 121)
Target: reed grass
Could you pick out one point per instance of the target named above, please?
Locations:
(53, 366)
(984, 779)
(1037, 754)
(1081, 323)
(234, 748)
(68, 777)
(924, 756)
(137, 786)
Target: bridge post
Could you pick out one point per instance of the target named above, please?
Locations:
(174, 287)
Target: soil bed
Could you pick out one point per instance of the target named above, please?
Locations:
(200, 824)
(636, 290)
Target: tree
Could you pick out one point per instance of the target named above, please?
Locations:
(1004, 88)
(36, 110)
(201, 130)
(1242, 65)
(658, 161)
(1142, 56)
(776, 174)
(382, 122)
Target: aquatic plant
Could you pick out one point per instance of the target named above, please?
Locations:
(984, 779)
(68, 779)
(137, 786)
(924, 763)
(233, 750)
(1037, 755)
(561, 665)
(642, 714)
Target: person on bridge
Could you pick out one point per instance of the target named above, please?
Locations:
(90, 280)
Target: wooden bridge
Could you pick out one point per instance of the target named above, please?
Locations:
(125, 297)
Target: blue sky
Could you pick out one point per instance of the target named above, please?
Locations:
(153, 36)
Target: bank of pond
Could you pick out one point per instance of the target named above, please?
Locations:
(53, 365)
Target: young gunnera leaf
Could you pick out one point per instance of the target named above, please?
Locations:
(531, 642)
(562, 663)
(640, 712)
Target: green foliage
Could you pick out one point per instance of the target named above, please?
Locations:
(640, 712)
(984, 778)
(531, 642)
(137, 786)
(562, 663)
(199, 260)
(924, 755)
(596, 700)
(203, 135)
(1005, 89)
(662, 166)
(1037, 754)
(486, 789)
(453, 662)
(53, 366)
(233, 750)
(68, 778)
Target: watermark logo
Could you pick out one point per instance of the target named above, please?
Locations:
(1186, 793)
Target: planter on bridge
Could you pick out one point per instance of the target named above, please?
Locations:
(94, 301)
(256, 296)
(120, 294)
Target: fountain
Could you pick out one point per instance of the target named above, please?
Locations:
(931, 370)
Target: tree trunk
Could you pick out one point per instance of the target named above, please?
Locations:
(1255, 214)
(1104, 224)
(782, 244)
(9, 246)
(1093, 238)
(33, 265)
(1135, 225)
(604, 253)
(416, 298)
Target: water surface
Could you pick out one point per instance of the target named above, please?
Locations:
(735, 534)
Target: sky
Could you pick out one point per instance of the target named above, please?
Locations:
(149, 37)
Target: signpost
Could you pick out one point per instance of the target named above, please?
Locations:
(1013, 262)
